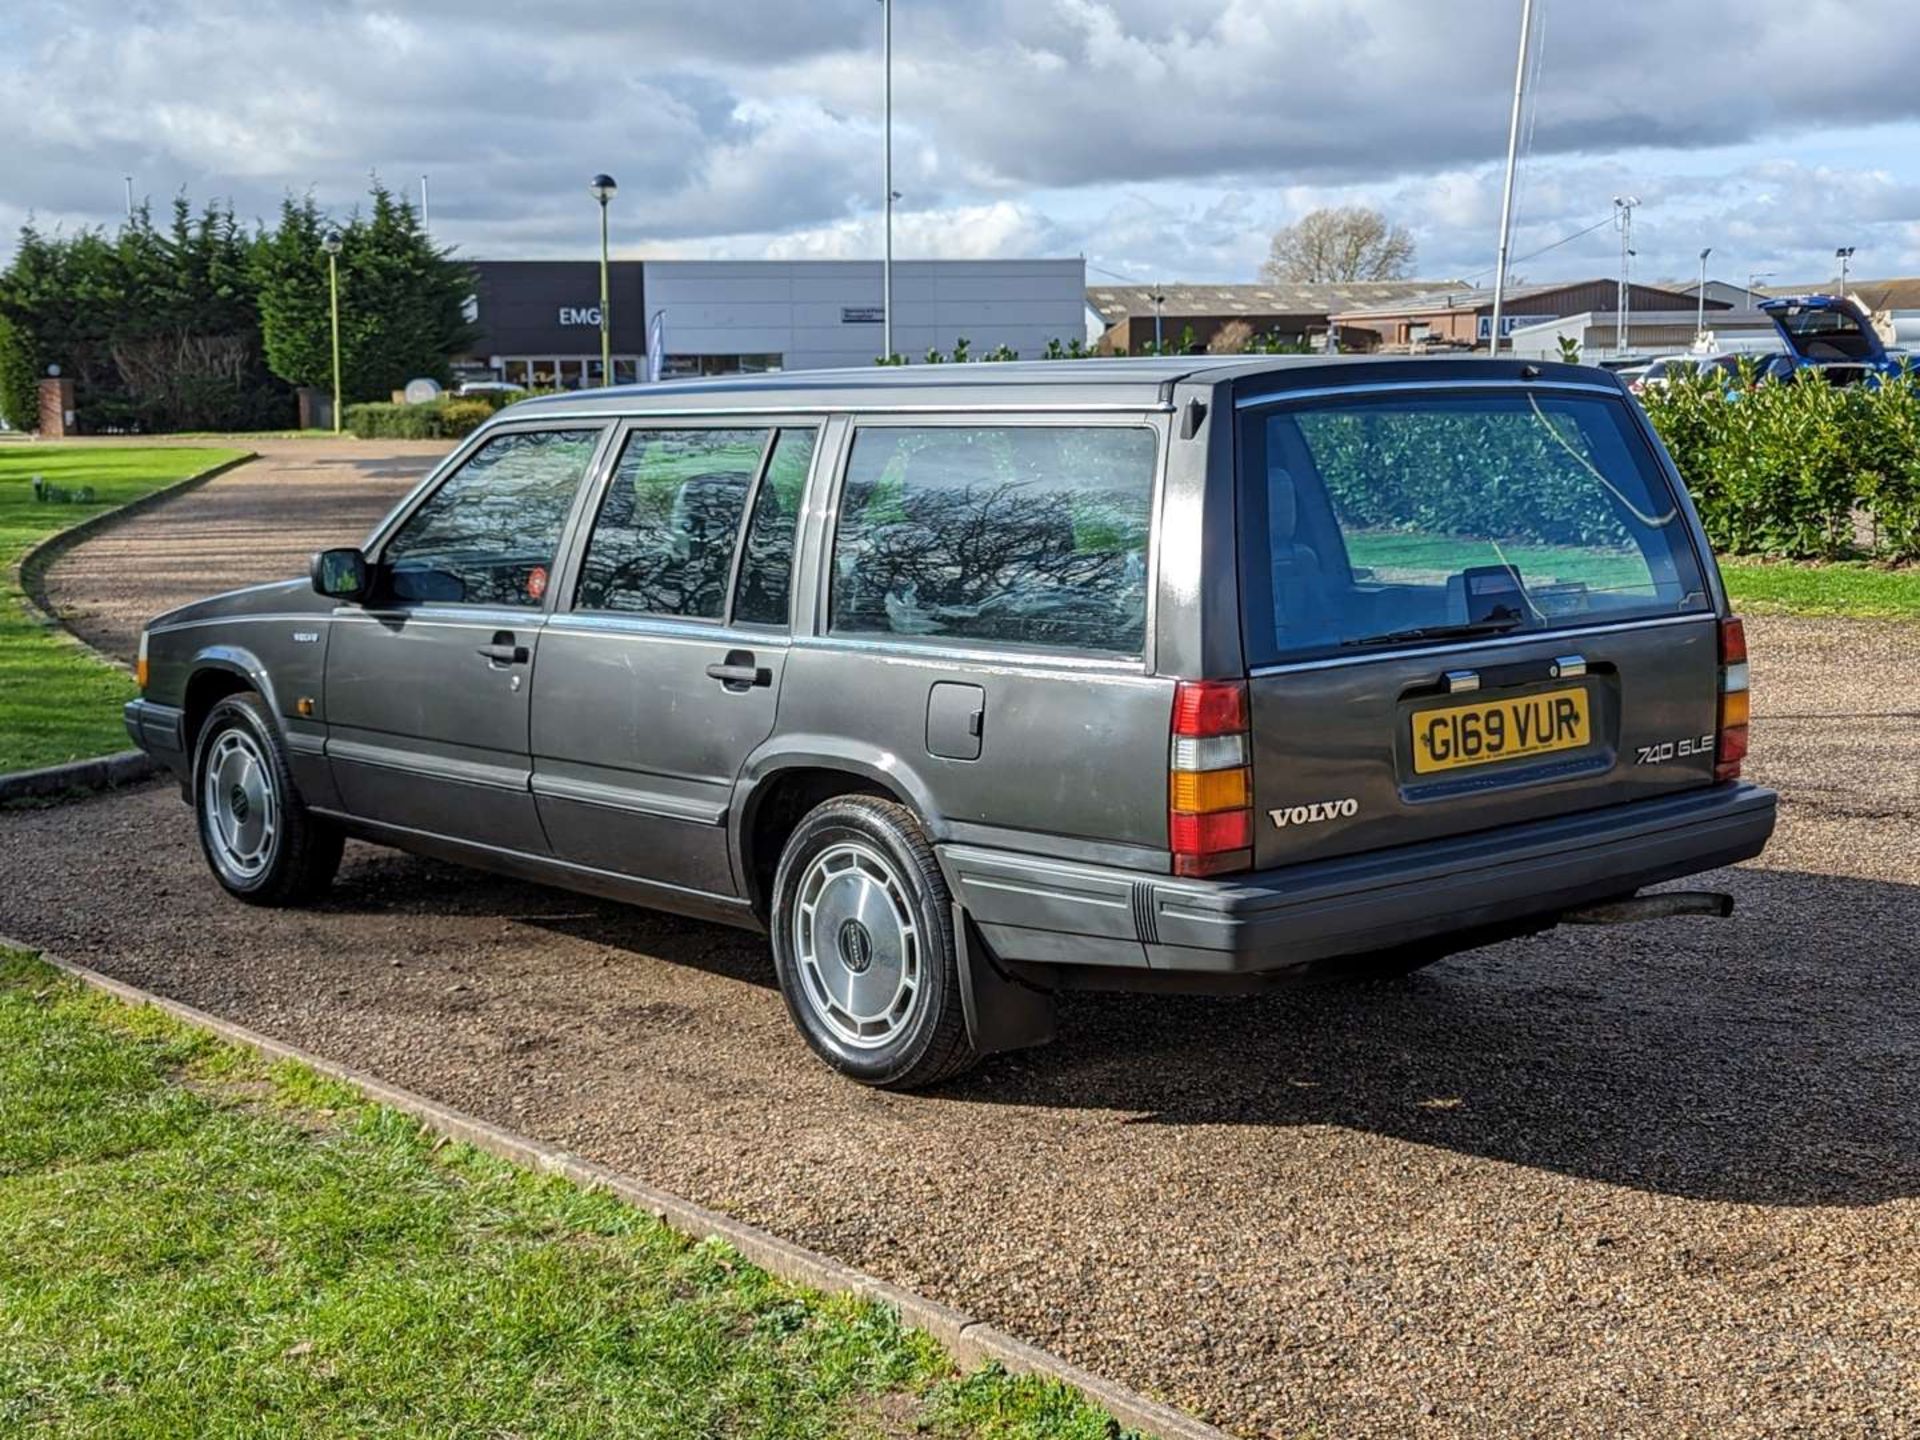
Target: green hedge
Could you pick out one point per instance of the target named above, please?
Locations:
(444, 419)
(1784, 470)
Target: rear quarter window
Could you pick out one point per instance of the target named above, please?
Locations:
(1019, 535)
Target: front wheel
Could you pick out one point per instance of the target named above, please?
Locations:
(863, 945)
(259, 839)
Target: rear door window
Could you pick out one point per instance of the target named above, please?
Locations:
(1402, 518)
(1023, 535)
(664, 539)
(764, 593)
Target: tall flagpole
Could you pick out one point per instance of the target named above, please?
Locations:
(1513, 154)
(886, 264)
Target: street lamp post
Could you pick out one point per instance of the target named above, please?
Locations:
(1700, 322)
(603, 189)
(886, 261)
(330, 242)
(1844, 255)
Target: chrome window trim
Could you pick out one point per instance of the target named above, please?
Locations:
(934, 653)
(1386, 387)
(683, 629)
(859, 409)
(476, 617)
(1555, 635)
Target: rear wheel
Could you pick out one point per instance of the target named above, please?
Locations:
(863, 945)
(259, 839)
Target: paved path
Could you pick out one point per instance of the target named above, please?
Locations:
(257, 523)
(1652, 1181)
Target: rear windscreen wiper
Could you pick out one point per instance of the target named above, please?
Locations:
(1439, 632)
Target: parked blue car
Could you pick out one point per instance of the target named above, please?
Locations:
(1832, 335)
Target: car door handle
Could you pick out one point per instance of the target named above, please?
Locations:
(504, 652)
(738, 672)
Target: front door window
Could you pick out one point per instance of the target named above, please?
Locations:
(489, 534)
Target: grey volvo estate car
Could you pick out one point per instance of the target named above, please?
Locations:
(973, 684)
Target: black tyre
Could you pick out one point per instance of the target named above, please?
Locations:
(863, 945)
(259, 839)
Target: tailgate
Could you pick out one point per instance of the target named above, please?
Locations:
(1395, 749)
(1463, 609)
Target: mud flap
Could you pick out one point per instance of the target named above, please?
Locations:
(1002, 1014)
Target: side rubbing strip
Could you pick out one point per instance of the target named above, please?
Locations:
(1143, 925)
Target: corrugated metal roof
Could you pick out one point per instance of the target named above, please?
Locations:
(1115, 303)
(1899, 293)
(1468, 298)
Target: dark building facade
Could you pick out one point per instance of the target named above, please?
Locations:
(540, 322)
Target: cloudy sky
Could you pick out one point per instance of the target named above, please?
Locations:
(1162, 139)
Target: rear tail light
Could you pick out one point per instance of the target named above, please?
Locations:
(1210, 779)
(1735, 701)
(140, 665)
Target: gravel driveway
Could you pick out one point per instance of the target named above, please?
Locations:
(1659, 1180)
(257, 523)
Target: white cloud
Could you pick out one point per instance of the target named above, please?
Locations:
(1164, 140)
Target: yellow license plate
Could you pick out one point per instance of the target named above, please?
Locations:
(1459, 735)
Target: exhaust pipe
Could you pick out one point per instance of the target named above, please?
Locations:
(1652, 907)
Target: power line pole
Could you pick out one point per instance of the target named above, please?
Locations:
(1623, 206)
(1506, 196)
(129, 180)
(1700, 320)
(424, 223)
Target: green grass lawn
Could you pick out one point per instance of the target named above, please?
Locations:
(1838, 588)
(57, 702)
(195, 1243)
(1841, 588)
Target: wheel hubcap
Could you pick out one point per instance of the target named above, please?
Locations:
(242, 811)
(858, 950)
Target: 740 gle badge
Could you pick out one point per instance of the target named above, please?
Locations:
(1673, 750)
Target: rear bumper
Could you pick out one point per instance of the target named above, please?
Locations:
(1036, 911)
(157, 729)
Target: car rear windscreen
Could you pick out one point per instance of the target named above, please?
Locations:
(1823, 334)
(1401, 518)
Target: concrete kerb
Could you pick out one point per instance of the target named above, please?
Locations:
(29, 574)
(971, 1342)
(105, 772)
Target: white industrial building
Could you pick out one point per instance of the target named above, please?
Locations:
(539, 321)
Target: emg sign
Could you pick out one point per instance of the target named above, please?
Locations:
(580, 315)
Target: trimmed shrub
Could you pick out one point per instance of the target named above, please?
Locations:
(1783, 469)
(448, 418)
(19, 378)
(464, 414)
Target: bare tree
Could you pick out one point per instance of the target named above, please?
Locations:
(1348, 243)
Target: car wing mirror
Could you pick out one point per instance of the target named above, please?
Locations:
(341, 574)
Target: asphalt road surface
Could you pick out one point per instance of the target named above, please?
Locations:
(1659, 1180)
